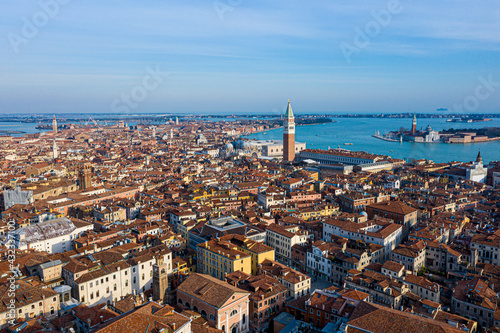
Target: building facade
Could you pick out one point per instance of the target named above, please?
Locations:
(223, 305)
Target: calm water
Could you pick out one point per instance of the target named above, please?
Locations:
(359, 131)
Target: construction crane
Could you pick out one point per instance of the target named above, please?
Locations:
(91, 120)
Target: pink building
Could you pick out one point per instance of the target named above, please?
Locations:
(224, 306)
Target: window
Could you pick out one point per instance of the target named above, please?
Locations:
(179, 301)
(233, 313)
(212, 317)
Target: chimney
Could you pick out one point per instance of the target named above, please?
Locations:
(173, 326)
(101, 319)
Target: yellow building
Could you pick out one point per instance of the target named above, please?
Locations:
(216, 258)
(317, 212)
(258, 251)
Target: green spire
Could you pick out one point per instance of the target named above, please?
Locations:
(289, 112)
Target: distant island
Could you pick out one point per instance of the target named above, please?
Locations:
(468, 120)
(446, 136)
(11, 132)
(313, 121)
(489, 132)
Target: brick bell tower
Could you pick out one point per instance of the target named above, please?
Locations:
(289, 135)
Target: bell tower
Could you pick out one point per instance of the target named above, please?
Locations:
(85, 176)
(289, 135)
(162, 270)
(54, 124)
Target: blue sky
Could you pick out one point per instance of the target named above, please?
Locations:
(249, 56)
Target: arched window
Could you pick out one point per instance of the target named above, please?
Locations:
(179, 301)
(224, 328)
(187, 305)
(244, 318)
(233, 313)
(212, 317)
(195, 308)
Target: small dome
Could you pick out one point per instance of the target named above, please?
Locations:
(246, 145)
(364, 214)
(229, 146)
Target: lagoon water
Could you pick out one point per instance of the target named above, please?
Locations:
(359, 131)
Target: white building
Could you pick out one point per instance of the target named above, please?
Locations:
(377, 231)
(477, 172)
(282, 239)
(271, 197)
(109, 276)
(54, 236)
(181, 217)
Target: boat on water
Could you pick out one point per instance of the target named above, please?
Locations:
(467, 120)
(348, 144)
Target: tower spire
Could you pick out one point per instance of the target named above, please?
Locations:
(54, 124)
(289, 135)
(289, 112)
(478, 158)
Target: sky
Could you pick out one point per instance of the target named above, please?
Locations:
(249, 56)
